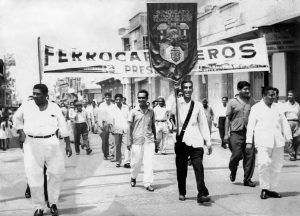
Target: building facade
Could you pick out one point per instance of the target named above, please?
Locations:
(278, 21)
(229, 21)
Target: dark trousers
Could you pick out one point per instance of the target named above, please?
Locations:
(183, 152)
(221, 124)
(118, 147)
(81, 130)
(105, 137)
(238, 152)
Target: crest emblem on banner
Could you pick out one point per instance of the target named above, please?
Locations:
(172, 29)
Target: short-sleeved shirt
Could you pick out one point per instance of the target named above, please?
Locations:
(238, 113)
(40, 123)
(292, 111)
(142, 125)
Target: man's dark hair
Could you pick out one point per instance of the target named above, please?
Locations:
(225, 97)
(42, 87)
(118, 95)
(107, 94)
(276, 90)
(242, 84)
(266, 89)
(144, 91)
(184, 82)
(291, 91)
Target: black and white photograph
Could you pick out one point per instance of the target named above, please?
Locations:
(149, 107)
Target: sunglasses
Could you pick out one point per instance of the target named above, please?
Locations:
(141, 97)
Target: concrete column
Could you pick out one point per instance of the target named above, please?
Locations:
(279, 72)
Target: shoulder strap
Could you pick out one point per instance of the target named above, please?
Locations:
(187, 119)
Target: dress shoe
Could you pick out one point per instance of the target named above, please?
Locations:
(127, 165)
(39, 212)
(232, 176)
(150, 188)
(118, 165)
(27, 192)
(203, 199)
(273, 194)
(181, 197)
(293, 159)
(263, 194)
(89, 151)
(249, 183)
(105, 158)
(133, 182)
(53, 210)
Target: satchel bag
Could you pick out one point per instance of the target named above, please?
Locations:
(186, 121)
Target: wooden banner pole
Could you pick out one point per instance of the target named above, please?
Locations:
(40, 60)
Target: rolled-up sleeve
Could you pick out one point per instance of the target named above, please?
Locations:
(62, 125)
(18, 118)
(203, 126)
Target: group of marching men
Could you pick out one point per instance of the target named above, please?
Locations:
(249, 128)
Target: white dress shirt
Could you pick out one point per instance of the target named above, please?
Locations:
(220, 112)
(105, 113)
(161, 113)
(268, 126)
(40, 123)
(120, 116)
(197, 129)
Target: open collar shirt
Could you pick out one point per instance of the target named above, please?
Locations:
(161, 113)
(40, 123)
(268, 125)
(238, 113)
(120, 116)
(292, 111)
(142, 125)
(197, 130)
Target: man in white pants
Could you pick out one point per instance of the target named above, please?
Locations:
(37, 122)
(271, 130)
(161, 116)
(142, 140)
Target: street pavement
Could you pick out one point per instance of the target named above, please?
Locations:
(95, 187)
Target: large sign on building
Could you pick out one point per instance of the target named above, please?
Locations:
(246, 56)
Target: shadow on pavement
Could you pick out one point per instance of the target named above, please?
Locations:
(290, 194)
(11, 199)
(77, 210)
(117, 209)
(242, 184)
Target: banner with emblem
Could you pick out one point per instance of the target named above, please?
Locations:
(172, 31)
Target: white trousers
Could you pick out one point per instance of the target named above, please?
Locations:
(270, 162)
(126, 155)
(37, 153)
(162, 135)
(143, 154)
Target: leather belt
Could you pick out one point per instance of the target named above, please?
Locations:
(160, 120)
(41, 137)
(296, 120)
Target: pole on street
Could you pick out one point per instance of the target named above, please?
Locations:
(40, 59)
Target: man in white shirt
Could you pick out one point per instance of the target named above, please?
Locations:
(119, 129)
(292, 113)
(37, 122)
(105, 121)
(220, 119)
(270, 130)
(161, 116)
(192, 143)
